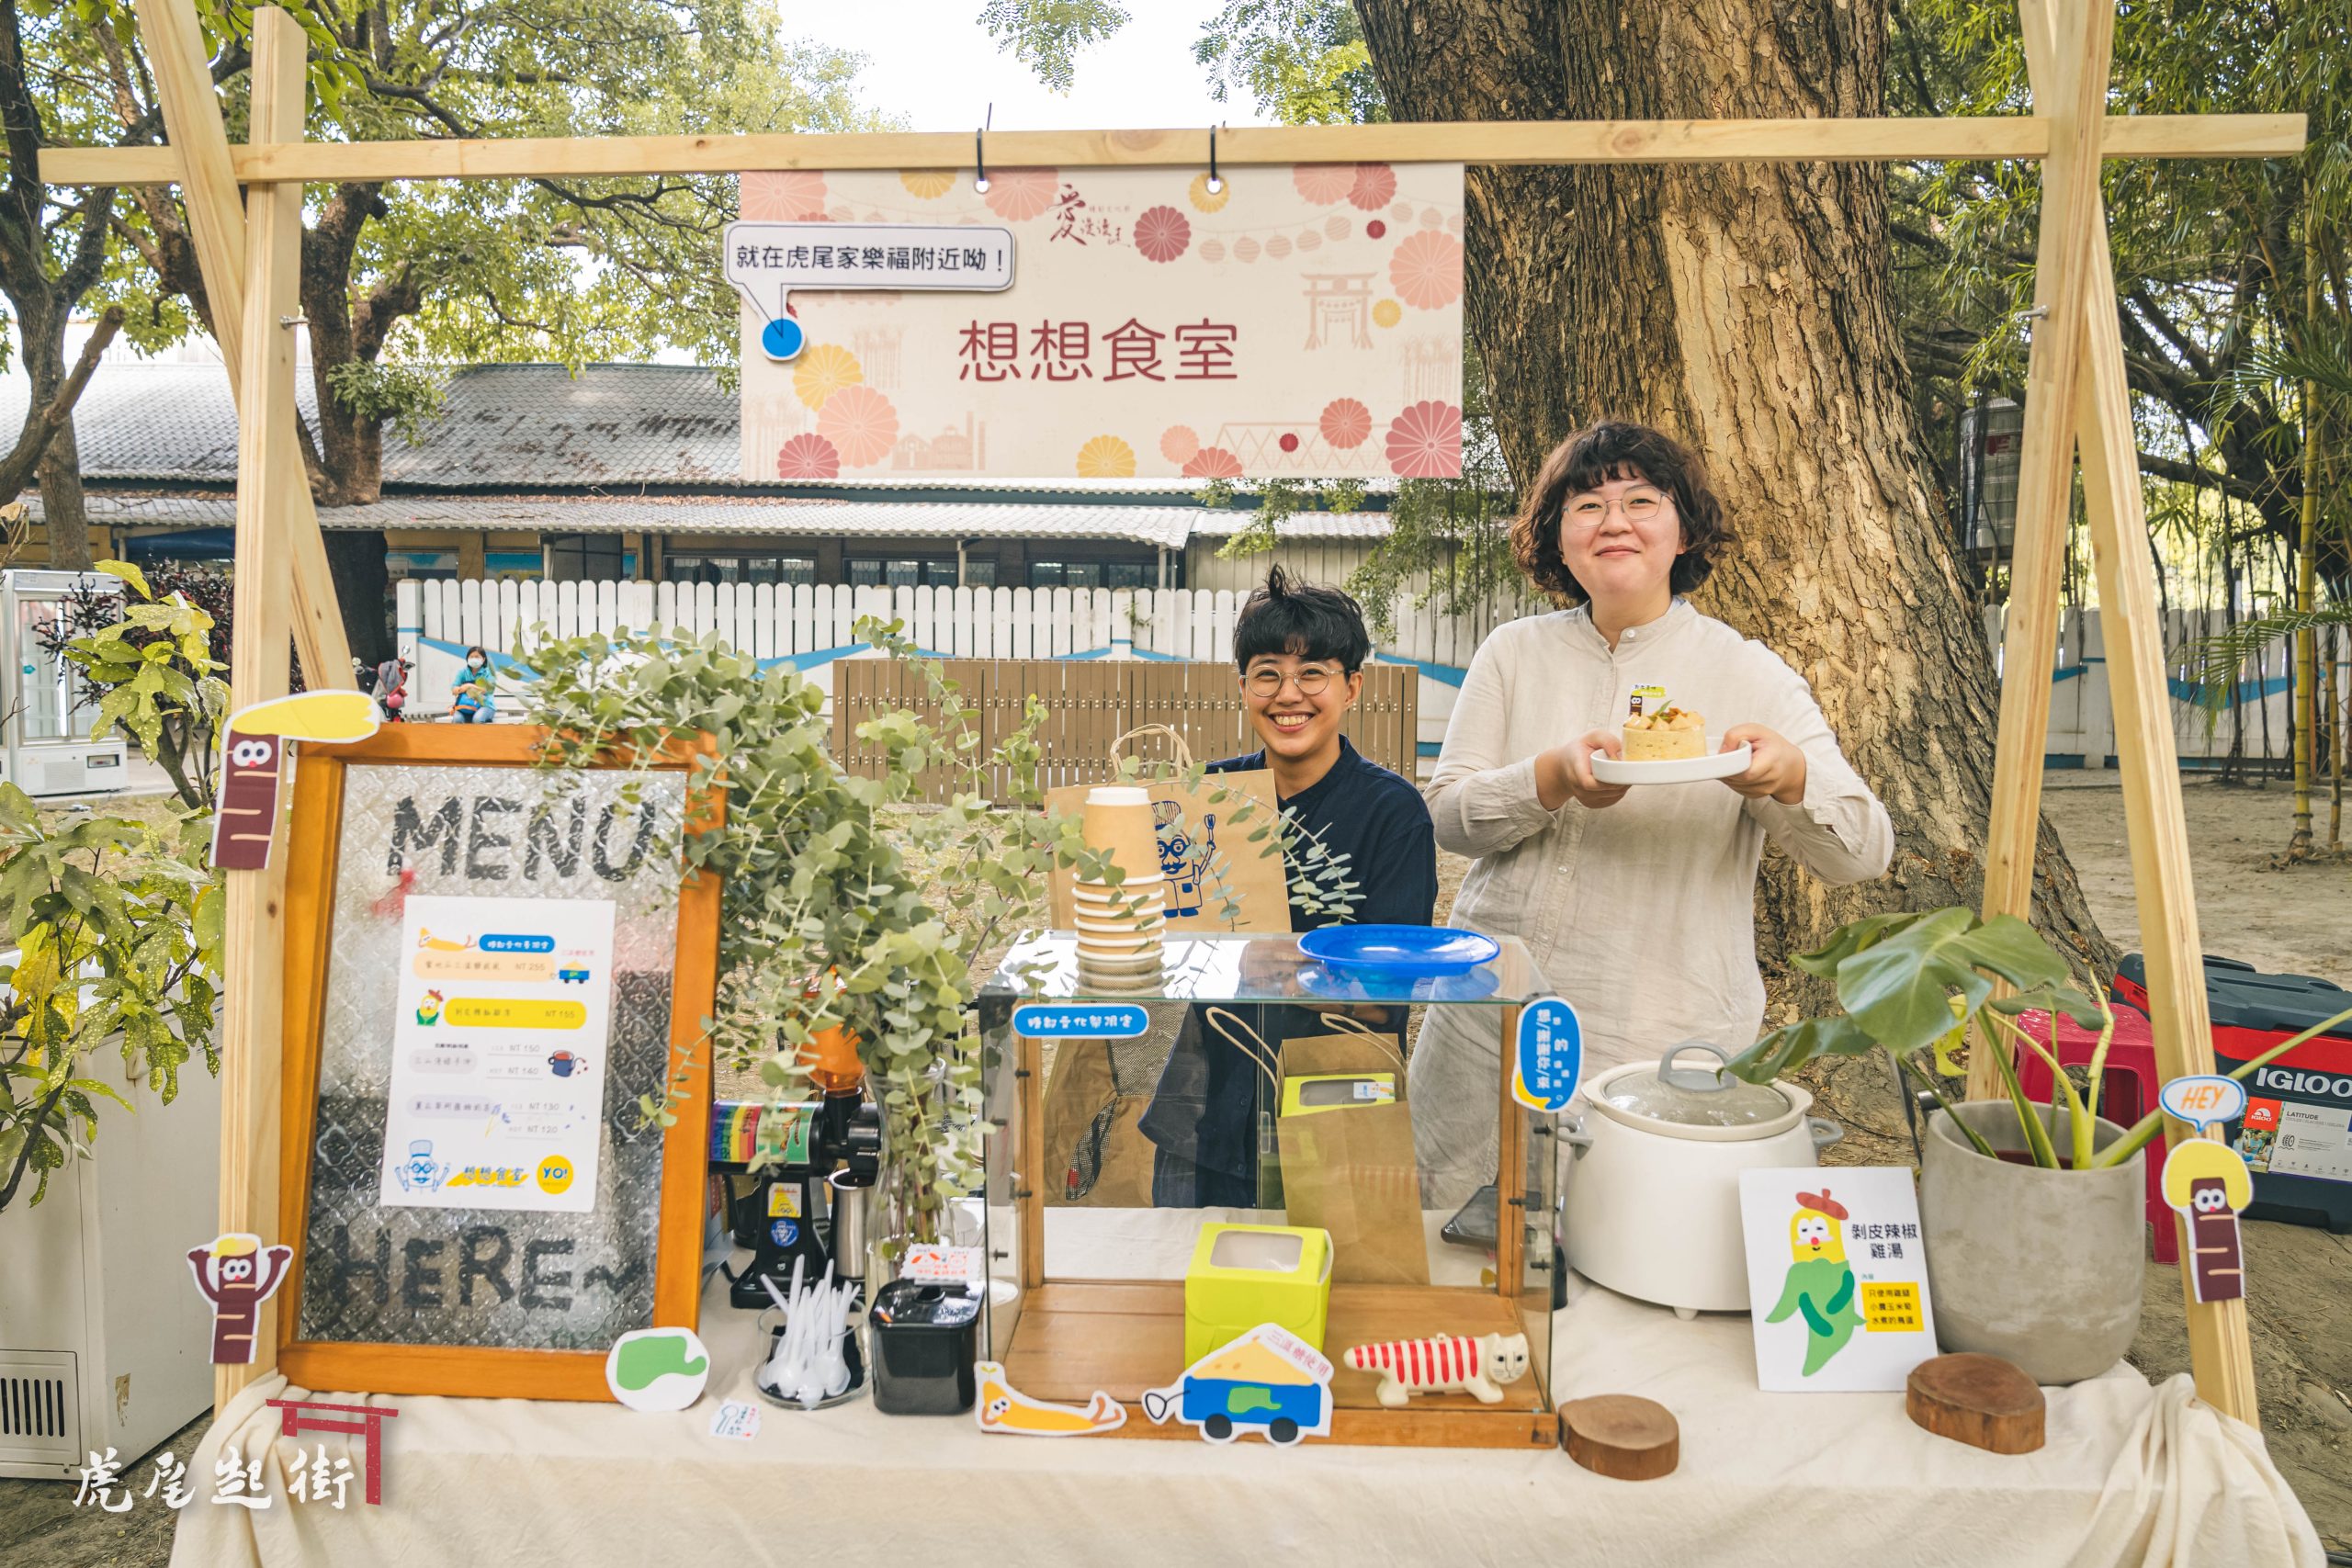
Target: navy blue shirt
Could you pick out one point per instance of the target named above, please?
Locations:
(1379, 822)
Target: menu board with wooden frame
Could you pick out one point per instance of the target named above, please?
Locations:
(490, 968)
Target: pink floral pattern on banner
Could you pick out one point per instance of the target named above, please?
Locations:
(1213, 463)
(807, 456)
(1161, 233)
(1427, 269)
(1176, 443)
(861, 424)
(1019, 194)
(1425, 442)
(782, 196)
(1374, 184)
(1323, 184)
(1345, 423)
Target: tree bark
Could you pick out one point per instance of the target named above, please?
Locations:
(1745, 308)
(356, 564)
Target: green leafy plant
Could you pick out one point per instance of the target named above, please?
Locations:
(1922, 980)
(152, 665)
(117, 929)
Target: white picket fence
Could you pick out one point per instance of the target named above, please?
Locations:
(812, 626)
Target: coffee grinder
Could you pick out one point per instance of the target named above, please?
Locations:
(808, 1201)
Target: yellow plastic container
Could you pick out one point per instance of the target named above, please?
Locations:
(1242, 1275)
(1311, 1092)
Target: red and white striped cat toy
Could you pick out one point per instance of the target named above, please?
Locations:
(1446, 1364)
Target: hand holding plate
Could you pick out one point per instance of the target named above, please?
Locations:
(1775, 765)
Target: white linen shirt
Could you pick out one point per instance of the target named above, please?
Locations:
(1641, 914)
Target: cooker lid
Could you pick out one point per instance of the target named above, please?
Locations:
(1695, 1096)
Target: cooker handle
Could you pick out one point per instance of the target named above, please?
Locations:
(1824, 1131)
(1703, 1080)
(1572, 1134)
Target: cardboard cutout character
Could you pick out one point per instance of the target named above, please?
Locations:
(236, 1274)
(254, 765)
(2208, 1183)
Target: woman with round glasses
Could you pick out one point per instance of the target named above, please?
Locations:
(1637, 903)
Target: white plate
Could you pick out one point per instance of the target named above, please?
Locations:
(1673, 770)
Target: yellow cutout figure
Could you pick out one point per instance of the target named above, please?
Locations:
(1820, 1282)
(2207, 1181)
(1002, 1408)
(431, 944)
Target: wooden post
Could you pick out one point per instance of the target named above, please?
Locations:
(2069, 85)
(209, 187)
(269, 467)
(2219, 1350)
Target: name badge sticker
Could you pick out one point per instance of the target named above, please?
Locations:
(1550, 1054)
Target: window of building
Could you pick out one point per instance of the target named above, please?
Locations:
(1101, 574)
(701, 566)
(581, 557)
(900, 572)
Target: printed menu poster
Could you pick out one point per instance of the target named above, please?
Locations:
(499, 1053)
(1836, 1278)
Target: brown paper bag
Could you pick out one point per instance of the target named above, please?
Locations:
(1203, 853)
(1350, 1169)
(1096, 1154)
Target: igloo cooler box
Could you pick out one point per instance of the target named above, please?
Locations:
(2297, 1133)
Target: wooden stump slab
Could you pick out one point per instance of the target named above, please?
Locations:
(1979, 1400)
(1621, 1435)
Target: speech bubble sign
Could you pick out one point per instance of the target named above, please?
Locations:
(1081, 1021)
(766, 262)
(2204, 1099)
(1550, 1054)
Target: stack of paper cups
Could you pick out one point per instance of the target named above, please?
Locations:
(1120, 927)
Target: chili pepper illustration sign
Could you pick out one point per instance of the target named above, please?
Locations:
(253, 769)
(237, 1274)
(2207, 1181)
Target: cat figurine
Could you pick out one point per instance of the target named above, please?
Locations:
(1449, 1363)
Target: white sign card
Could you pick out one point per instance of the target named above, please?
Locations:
(499, 1053)
(1838, 1275)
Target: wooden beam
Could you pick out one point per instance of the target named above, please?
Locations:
(2070, 86)
(2220, 1351)
(1469, 142)
(269, 466)
(217, 227)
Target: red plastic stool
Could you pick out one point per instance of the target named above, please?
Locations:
(2127, 1089)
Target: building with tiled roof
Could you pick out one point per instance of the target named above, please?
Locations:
(630, 471)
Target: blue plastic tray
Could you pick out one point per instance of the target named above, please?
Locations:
(1407, 953)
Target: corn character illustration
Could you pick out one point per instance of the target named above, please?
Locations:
(1821, 1282)
(236, 1274)
(1004, 1409)
(254, 765)
(2207, 1181)
(428, 1011)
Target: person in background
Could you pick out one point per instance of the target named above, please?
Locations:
(1638, 905)
(1299, 650)
(471, 692)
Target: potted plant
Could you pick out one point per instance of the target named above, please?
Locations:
(2033, 1215)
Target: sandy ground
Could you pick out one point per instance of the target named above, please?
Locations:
(2299, 921)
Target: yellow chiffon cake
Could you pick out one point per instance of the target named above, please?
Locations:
(1667, 734)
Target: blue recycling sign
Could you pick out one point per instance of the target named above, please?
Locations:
(1081, 1021)
(1549, 1056)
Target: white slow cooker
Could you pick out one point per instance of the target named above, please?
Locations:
(1653, 1201)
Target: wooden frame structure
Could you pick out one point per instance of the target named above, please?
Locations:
(317, 821)
(2076, 396)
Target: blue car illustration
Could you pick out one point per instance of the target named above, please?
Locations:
(1220, 1407)
(574, 973)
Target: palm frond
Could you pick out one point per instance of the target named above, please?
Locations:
(2219, 658)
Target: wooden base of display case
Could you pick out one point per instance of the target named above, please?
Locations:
(1074, 1336)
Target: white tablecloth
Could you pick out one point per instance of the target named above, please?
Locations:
(2131, 1474)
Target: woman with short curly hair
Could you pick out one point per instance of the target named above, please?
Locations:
(1637, 903)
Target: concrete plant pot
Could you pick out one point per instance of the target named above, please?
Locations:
(2041, 1268)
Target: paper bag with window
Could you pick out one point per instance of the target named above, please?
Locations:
(1346, 1137)
(1223, 875)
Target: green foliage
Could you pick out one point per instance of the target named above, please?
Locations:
(158, 681)
(407, 397)
(1046, 35)
(1303, 62)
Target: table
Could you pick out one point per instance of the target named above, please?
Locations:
(2131, 1474)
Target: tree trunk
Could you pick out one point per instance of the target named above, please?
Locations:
(356, 564)
(64, 515)
(1746, 308)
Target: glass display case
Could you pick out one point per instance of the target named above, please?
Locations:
(1247, 1085)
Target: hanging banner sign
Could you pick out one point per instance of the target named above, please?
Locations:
(1300, 322)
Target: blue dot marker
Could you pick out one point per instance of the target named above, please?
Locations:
(782, 338)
